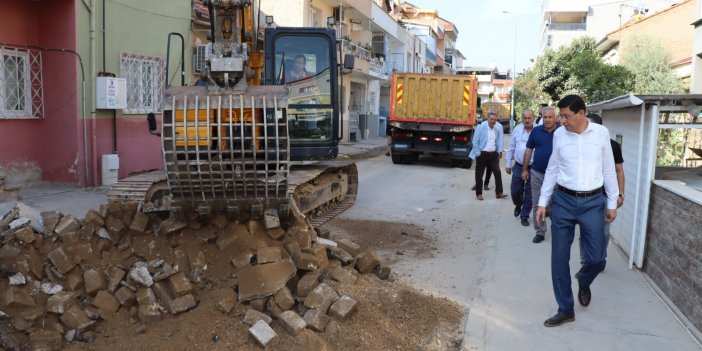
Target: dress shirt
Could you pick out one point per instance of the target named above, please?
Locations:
(491, 144)
(581, 162)
(517, 146)
(480, 139)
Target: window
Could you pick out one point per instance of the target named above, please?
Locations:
(314, 17)
(145, 80)
(21, 93)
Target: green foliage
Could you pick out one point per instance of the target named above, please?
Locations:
(649, 61)
(527, 93)
(579, 69)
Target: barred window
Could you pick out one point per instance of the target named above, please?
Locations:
(21, 91)
(145, 79)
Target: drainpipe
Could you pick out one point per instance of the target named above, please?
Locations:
(90, 164)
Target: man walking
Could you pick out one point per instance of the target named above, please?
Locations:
(487, 172)
(487, 151)
(580, 168)
(539, 145)
(520, 188)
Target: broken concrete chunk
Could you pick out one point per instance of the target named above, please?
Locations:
(46, 340)
(9, 217)
(264, 280)
(342, 308)
(180, 285)
(114, 276)
(14, 297)
(276, 233)
(292, 322)
(93, 281)
(166, 271)
(114, 226)
(171, 225)
(74, 280)
(326, 242)
(309, 262)
(268, 254)
(220, 221)
(75, 318)
(94, 218)
(182, 304)
(271, 219)
(50, 220)
(316, 319)
(227, 300)
(105, 301)
(149, 314)
(125, 297)
(102, 232)
(321, 297)
(20, 222)
(242, 260)
(140, 222)
(340, 255)
(66, 225)
(306, 284)
(350, 247)
(263, 333)
(255, 228)
(161, 292)
(61, 261)
(383, 272)
(146, 296)
(284, 299)
(259, 304)
(322, 233)
(294, 251)
(140, 274)
(367, 262)
(51, 288)
(60, 302)
(342, 275)
(26, 235)
(17, 279)
(252, 316)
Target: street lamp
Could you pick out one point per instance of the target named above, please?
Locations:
(514, 69)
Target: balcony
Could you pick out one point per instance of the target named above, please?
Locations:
(568, 26)
(366, 63)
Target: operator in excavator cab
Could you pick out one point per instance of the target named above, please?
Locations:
(298, 70)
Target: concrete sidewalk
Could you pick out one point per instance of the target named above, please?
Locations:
(516, 297)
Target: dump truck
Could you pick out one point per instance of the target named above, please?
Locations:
(503, 113)
(432, 114)
(235, 141)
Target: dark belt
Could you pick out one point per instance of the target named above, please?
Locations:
(488, 152)
(579, 193)
(518, 164)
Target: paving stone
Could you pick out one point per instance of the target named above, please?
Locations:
(309, 262)
(227, 300)
(61, 261)
(93, 217)
(276, 233)
(349, 246)
(15, 297)
(321, 297)
(259, 304)
(342, 308)
(272, 309)
(263, 333)
(321, 252)
(46, 340)
(304, 237)
(367, 262)
(9, 217)
(162, 293)
(306, 284)
(292, 322)
(322, 232)
(343, 275)
(114, 276)
(182, 304)
(268, 254)
(80, 251)
(93, 313)
(252, 316)
(74, 280)
(32, 314)
(105, 301)
(383, 272)
(145, 296)
(180, 285)
(316, 319)
(219, 221)
(66, 225)
(271, 219)
(242, 259)
(284, 299)
(264, 280)
(36, 263)
(114, 208)
(171, 225)
(255, 227)
(93, 281)
(50, 220)
(26, 235)
(293, 249)
(75, 318)
(140, 222)
(103, 210)
(339, 254)
(114, 226)
(125, 297)
(149, 314)
(60, 302)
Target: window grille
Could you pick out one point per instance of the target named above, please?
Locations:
(21, 88)
(145, 80)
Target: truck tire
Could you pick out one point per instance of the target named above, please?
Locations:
(397, 159)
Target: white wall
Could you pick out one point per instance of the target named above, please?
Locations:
(696, 81)
(288, 13)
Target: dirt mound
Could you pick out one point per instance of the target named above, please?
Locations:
(123, 279)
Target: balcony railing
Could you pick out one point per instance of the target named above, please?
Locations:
(376, 66)
(567, 26)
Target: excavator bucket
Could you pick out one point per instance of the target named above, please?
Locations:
(226, 152)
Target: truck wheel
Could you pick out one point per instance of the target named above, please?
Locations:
(397, 159)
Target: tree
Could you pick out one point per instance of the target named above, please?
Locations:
(649, 61)
(528, 93)
(579, 69)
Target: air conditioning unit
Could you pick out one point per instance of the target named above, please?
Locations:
(201, 56)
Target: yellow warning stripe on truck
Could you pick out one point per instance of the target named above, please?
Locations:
(399, 93)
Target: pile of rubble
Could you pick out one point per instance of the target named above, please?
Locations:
(60, 276)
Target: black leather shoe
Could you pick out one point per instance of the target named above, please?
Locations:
(517, 210)
(525, 222)
(473, 188)
(487, 187)
(537, 239)
(584, 296)
(559, 319)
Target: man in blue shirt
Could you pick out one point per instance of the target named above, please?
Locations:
(487, 151)
(540, 144)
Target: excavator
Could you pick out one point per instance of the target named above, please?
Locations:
(259, 130)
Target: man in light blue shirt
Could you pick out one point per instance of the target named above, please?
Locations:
(487, 151)
(514, 164)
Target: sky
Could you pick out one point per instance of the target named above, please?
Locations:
(486, 35)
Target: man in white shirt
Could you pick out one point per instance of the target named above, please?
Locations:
(520, 189)
(487, 151)
(581, 167)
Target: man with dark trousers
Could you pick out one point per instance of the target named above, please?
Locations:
(539, 145)
(520, 188)
(580, 168)
(487, 151)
